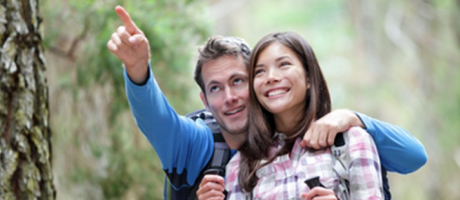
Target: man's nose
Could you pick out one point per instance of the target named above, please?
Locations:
(230, 96)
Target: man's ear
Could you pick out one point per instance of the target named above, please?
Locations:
(203, 99)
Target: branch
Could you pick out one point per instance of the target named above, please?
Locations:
(79, 37)
(75, 42)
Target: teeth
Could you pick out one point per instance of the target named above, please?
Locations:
(276, 92)
(234, 111)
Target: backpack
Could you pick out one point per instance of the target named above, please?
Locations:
(342, 162)
(216, 165)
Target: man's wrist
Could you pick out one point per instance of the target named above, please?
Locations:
(360, 121)
(139, 74)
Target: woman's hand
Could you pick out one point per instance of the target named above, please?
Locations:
(319, 193)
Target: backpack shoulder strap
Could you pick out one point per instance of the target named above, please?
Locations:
(220, 155)
(342, 161)
(386, 185)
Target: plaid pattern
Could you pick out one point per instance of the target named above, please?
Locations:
(284, 177)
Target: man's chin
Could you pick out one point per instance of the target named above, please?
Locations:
(238, 131)
(233, 127)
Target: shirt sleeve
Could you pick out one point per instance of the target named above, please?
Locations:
(399, 151)
(184, 146)
(365, 172)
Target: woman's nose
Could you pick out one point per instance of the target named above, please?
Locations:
(273, 77)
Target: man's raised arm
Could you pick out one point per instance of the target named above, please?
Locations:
(183, 145)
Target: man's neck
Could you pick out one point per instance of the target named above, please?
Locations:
(234, 141)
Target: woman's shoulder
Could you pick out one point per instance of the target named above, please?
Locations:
(359, 140)
(234, 161)
(357, 134)
(232, 168)
(231, 177)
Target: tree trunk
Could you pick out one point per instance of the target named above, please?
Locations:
(25, 143)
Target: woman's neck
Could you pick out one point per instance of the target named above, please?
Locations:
(287, 121)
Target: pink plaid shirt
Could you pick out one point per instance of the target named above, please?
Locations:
(284, 177)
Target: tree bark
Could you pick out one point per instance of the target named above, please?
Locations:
(25, 143)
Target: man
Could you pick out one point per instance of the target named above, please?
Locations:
(185, 146)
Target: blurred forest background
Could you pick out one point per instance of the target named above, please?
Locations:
(398, 61)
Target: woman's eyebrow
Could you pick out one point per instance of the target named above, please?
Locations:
(281, 58)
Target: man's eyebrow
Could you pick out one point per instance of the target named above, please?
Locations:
(237, 74)
(212, 83)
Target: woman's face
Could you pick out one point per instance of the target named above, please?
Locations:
(279, 80)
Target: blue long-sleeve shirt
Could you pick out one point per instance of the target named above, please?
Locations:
(185, 146)
(399, 151)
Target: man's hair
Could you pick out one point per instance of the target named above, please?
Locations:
(217, 47)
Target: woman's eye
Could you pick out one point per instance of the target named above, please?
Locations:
(258, 71)
(285, 63)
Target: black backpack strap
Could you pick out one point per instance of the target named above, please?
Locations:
(216, 165)
(220, 155)
(386, 185)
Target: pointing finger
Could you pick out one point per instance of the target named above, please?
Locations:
(126, 19)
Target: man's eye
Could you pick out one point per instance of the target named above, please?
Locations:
(238, 81)
(214, 89)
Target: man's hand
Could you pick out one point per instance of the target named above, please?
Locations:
(131, 46)
(322, 132)
(319, 193)
(211, 188)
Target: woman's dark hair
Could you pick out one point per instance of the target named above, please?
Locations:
(262, 128)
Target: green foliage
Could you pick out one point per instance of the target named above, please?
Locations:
(119, 179)
(173, 28)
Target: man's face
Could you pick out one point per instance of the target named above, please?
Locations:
(226, 85)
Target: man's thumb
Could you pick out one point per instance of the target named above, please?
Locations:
(137, 40)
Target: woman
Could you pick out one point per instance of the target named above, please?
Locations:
(288, 93)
